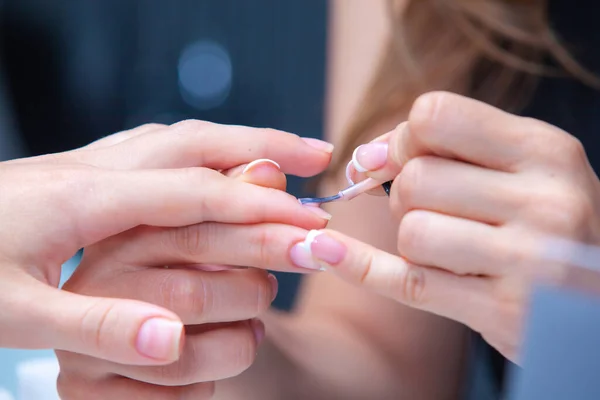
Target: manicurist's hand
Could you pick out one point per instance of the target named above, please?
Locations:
(478, 192)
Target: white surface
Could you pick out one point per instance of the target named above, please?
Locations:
(37, 379)
(4, 395)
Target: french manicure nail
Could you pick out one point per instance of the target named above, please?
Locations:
(160, 338)
(318, 211)
(349, 173)
(370, 157)
(301, 254)
(258, 327)
(316, 249)
(319, 144)
(327, 249)
(274, 286)
(255, 163)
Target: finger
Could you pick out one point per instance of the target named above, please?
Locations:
(263, 246)
(73, 387)
(124, 331)
(122, 136)
(353, 177)
(461, 246)
(454, 126)
(208, 356)
(220, 147)
(371, 159)
(265, 173)
(116, 201)
(197, 297)
(81, 155)
(458, 189)
(429, 289)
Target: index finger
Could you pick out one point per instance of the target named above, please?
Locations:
(417, 286)
(110, 202)
(203, 144)
(456, 127)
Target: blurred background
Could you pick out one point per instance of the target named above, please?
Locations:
(72, 71)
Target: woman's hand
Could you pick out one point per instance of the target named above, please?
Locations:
(478, 192)
(146, 179)
(217, 303)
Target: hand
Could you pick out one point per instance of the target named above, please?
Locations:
(477, 192)
(219, 308)
(151, 177)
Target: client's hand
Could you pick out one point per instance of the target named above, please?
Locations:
(189, 271)
(140, 181)
(477, 192)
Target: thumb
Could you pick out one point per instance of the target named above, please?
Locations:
(118, 330)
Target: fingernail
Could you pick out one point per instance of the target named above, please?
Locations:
(255, 163)
(160, 339)
(301, 254)
(319, 144)
(258, 327)
(318, 211)
(370, 157)
(274, 286)
(325, 248)
(349, 173)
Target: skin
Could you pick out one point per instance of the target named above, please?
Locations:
(333, 345)
(477, 192)
(156, 189)
(482, 196)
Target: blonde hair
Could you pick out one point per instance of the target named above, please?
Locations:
(491, 50)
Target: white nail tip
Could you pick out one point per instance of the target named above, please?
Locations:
(306, 246)
(308, 240)
(355, 162)
(260, 161)
(348, 174)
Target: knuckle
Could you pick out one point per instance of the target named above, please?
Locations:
(409, 285)
(263, 294)
(191, 126)
(563, 211)
(68, 387)
(191, 241)
(365, 261)
(264, 242)
(571, 149)
(185, 296)
(152, 126)
(176, 374)
(95, 324)
(68, 362)
(245, 353)
(427, 108)
(409, 180)
(546, 140)
(413, 233)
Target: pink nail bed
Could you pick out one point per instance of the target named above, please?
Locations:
(327, 249)
(370, 157)
(317, 248)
